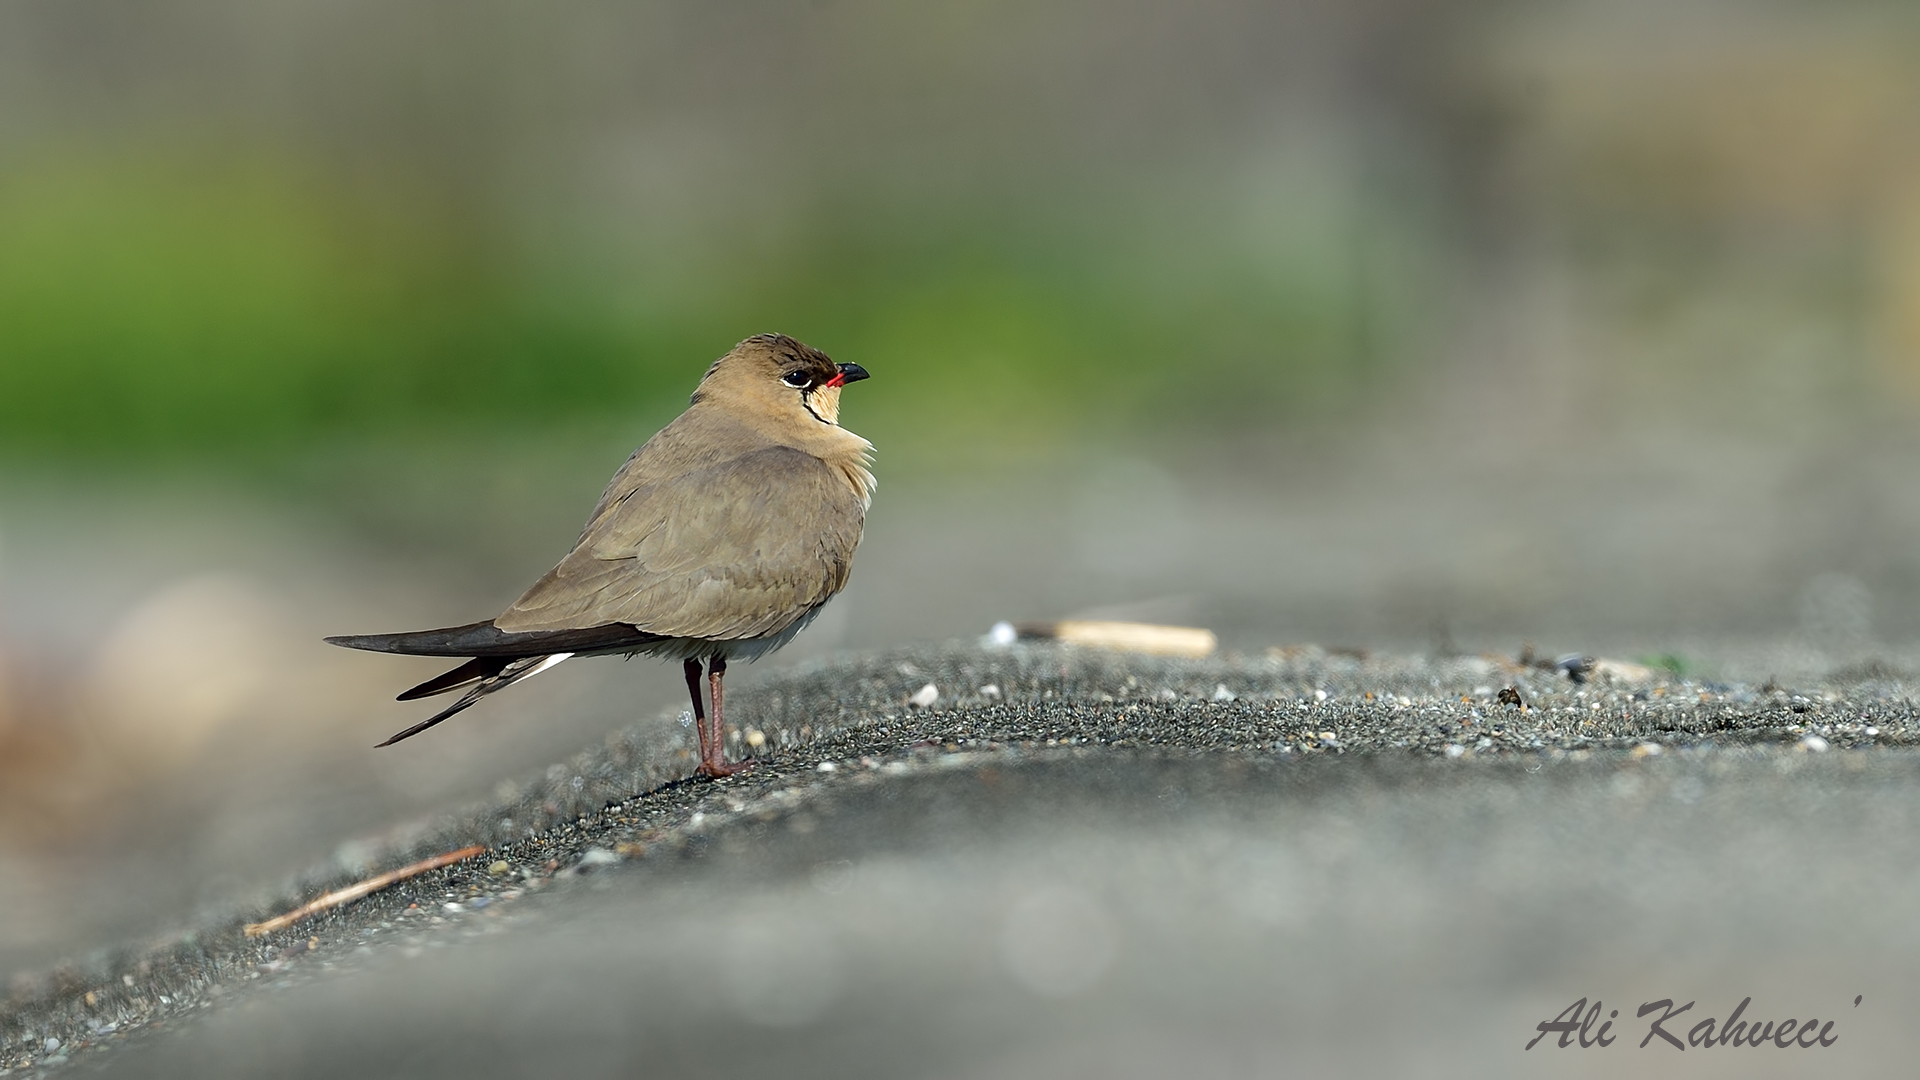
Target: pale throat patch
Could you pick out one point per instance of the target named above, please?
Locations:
(824, 402)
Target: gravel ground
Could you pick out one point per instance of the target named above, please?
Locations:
(1100, 864)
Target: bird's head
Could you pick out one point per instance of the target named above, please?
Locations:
(778, 379)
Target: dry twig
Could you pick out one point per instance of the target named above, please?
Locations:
(1148, 638)
(361, 888)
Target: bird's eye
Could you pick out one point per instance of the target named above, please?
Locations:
(799, 380)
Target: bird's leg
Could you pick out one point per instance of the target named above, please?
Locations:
(713, 759)
(717, 670)
(692, 669)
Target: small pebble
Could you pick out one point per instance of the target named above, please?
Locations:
(924, 696)
(1454, 749)
(597, 856)
(825, 766)
(1221, 693)
(1002, 635)
(990, 691)
(1812, 744)
(498, 867)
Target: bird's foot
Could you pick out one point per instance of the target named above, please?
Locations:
(715, 770)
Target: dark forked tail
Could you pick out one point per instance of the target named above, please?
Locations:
(499, 659)
(486, 673)
(474, 670)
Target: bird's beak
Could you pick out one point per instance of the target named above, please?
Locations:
(848, 373)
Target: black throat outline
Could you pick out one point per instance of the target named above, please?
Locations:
(807, 404)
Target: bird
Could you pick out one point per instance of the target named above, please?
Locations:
(720, 539)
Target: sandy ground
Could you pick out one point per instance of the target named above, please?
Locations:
(1104, 865)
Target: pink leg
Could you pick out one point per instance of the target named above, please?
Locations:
(713, 752)
(692, 669)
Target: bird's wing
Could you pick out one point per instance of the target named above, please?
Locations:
(484, 639)
(735, 550)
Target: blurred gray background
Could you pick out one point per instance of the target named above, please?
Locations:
(1393, 324)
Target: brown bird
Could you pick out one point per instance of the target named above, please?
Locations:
(721, 538)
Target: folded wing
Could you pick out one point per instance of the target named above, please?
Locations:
(486, 639)
(740, 549)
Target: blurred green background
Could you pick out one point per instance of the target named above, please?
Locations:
(386, 250)
(219, 300)
(338, 226)
(229, 231)
(1422, 324)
